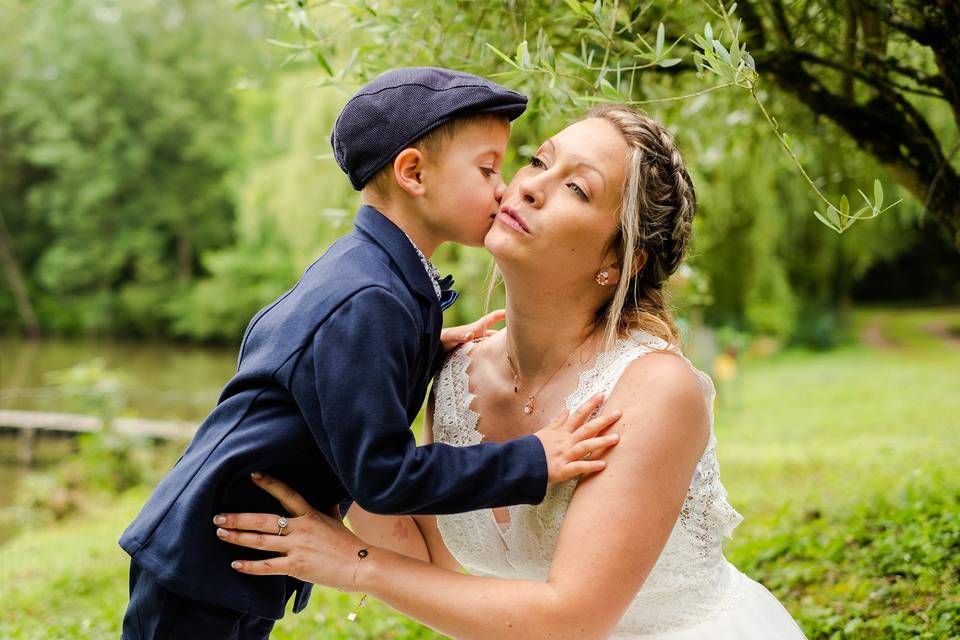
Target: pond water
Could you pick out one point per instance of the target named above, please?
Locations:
(156, 379)
(159, 380)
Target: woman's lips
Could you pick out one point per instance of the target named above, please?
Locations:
(510, 217)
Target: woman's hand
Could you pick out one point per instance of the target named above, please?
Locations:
(313, 546)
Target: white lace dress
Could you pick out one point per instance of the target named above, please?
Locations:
(692, 592)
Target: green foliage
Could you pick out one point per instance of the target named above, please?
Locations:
(293, 201)
(158, 182)
(882, 570)
(581, 53)
(569, 55)
(118, 125)
(103, 466)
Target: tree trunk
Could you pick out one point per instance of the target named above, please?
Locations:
(16, 282)
(185, 246)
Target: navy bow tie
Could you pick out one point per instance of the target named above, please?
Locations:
(447, 295)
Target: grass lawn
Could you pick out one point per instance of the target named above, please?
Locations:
(844, 465)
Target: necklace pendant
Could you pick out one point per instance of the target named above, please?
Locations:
(528, 407)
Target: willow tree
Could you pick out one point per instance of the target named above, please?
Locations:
(884, 71)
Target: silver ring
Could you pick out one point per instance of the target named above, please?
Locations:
(281, 525)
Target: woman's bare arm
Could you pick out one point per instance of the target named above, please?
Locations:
(614, 530)
(397, 533)
(439, 554)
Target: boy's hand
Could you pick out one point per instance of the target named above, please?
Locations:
(453, 337)
(571, 440)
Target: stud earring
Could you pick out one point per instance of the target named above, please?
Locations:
(603, 277)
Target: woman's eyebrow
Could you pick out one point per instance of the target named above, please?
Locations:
(582, 164)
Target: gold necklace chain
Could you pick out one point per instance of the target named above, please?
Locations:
(530, 404)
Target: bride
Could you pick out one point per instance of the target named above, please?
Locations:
(588, 233)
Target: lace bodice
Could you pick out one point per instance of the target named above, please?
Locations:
(690, 582)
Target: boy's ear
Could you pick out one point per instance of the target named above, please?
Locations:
(407, 170)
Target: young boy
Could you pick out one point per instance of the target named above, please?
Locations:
(331, 374)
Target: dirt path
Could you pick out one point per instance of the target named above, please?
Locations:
(873, 335)
(940, 330)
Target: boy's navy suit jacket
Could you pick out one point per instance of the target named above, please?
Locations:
(330, 376)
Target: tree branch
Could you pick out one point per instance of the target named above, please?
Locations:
(888, 126)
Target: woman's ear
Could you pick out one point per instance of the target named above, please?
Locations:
(408, 169)
(608, 275)
(611, 272)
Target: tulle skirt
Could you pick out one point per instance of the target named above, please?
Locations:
(757, 615)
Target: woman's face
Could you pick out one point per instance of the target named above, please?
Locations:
(560, 211)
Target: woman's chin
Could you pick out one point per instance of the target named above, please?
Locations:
(498, 241)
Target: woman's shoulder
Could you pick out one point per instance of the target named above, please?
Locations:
(662, 372)
(661, 379)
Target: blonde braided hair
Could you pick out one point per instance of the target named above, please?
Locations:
(654, 228)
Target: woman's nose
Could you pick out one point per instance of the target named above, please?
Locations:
(500, 189)
(532, 192)
(531, 196)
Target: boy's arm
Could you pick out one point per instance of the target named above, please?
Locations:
(361, 363)
(414, 536)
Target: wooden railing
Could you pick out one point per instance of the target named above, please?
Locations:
(30, 423)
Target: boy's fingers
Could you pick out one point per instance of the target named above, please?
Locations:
(292, 501)
(583, 467)
(483, 326)
(583, 412)
(592, 446)
(261, 541)
(273, 567)
(493, 318)
(598, 424)
(456, 335)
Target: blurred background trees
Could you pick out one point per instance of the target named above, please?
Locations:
(163, 174)
(119, 128)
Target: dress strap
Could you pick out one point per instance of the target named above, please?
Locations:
(608, 366)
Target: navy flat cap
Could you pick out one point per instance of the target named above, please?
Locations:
(403, 105)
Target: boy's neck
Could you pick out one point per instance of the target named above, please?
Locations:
(409, 221)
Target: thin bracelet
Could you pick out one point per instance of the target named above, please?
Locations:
(361, 554)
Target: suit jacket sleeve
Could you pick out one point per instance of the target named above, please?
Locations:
(363, 360)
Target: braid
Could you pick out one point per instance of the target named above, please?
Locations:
(656, 221)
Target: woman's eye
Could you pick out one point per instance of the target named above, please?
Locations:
(488, 171)
(537, 162)
(580, 193)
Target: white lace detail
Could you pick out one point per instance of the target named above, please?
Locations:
(691, 581)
